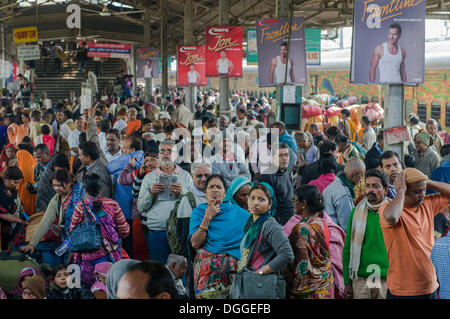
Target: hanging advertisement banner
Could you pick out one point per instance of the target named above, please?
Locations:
(388, 42)
(5, 69)
(28, 52)
(252, 52)
(27, 34)
(272, 36)
(312, 44)
(148, 63)
(224, 51)
(109, 50)
(191, 65)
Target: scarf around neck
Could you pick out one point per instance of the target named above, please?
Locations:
(347, 183)
(358, 231)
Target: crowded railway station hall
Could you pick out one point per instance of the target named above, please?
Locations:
(224, 149)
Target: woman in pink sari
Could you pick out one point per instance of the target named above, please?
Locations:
(48, 139)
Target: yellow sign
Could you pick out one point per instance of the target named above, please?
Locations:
(27, 34)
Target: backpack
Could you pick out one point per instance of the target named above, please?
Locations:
(176, 227)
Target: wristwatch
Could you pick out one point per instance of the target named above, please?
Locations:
(261, 272)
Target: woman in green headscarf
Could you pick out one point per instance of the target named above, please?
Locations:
(238, 191)
(265, 248)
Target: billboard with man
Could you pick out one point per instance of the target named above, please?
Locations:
(274, 66)
(388, 42)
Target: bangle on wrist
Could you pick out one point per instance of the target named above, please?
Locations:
(203, 228)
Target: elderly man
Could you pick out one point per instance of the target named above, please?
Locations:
(229, 159)
(427, 160)
(407, 224)
(177, 266)
(159, 192)
(364, 244)
(339, 196)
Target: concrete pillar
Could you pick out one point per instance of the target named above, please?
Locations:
(190, 97)
(147, 41)
(224, 83)
(164, 56)
(394, 112)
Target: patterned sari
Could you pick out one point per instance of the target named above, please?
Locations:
(310, 274)
(212, 274)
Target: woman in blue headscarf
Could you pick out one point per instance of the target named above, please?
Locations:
(265, 248)
(215, 233)
(238, 191)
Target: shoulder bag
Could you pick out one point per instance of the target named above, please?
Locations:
(86, 236)
(250, 285)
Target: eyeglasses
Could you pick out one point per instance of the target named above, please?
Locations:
(165, 151)
(204, 175)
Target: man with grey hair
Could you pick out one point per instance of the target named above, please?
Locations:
(158, 195)
(223, 122)
(339, 196)
(432, 129)
(177, 266)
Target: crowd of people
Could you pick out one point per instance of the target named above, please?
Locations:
(152, 200)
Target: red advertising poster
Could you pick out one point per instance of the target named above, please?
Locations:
(224, 51)
(109, 50)
(191, 65)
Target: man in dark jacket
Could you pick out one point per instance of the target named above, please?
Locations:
(311, 171)
(373, 156)
(282, 185)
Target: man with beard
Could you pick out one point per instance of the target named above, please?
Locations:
(156, 200)
(364, 244)
(407, 224)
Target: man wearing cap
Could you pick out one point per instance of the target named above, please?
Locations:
(427, 160)
(407, 225)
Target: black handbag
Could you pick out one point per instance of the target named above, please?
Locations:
(86, 236)
(250, 285)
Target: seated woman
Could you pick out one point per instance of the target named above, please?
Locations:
(60, 209)
(310, 274)
(327, 171)
(59, 288)
(265, 248)
(113, 226)
(238, 191)
(215, 232)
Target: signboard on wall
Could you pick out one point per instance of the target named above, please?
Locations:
(26, 34)
(28, 52)
(109, 50)
(312, 44)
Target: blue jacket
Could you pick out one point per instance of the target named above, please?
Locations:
(440, 174)
(123, 194)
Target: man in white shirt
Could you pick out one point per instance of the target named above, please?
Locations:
(74, 137)
(224, 65)
(278, 67)
(46, 102)
(68, 126)
(193, 76)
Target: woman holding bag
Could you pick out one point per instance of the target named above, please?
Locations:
(112, 223)
(265, 249)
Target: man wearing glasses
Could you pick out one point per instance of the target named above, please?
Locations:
(153, 204)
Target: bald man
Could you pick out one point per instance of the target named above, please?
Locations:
(339, 196)
(408, 229)
(146, 280)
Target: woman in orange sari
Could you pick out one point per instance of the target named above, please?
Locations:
(26, 165)
(133, 124)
